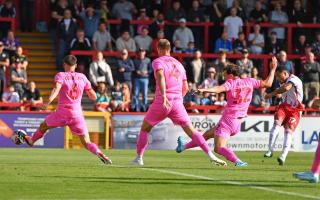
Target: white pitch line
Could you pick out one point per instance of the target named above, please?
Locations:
(231, 183)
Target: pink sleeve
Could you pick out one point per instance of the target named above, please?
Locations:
(58, 78)
(87, 85)
(227, 86)
(157, 65)
(184, 76)
(255, 83)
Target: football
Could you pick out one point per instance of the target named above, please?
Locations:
(16, 137)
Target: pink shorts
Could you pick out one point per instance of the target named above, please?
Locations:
(176, 112)
(76, 124)
(227, 127)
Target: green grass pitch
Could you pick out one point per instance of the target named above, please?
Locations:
(76, 174)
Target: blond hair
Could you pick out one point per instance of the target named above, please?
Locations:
(164, 44)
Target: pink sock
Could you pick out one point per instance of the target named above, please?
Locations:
(316, 162)
(228, 154)
(93, 148)
(200, 141)
(37, 135)
(142, 143)
(190, 145)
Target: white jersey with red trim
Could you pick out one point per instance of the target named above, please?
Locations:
(294, 96)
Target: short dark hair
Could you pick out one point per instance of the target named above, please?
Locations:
(232, 69)
(164, 44)
(70, 60)
(281, 69)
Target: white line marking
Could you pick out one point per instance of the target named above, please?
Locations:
(231, 183)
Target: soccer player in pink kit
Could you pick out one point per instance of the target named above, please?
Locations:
(171, 86)
(69, 87)
(313, 175)
(239, 95)
(288, 113)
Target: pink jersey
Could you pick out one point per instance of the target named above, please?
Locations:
(174, 74)
(70, 95)
(239, 95)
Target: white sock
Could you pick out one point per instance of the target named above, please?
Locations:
(286, 144)
(316, 174)
(212, 156)
(274, 132)
(139, 156)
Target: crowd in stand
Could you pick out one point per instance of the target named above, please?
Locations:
(83, 25)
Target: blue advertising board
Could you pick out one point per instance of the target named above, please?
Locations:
(29, 122)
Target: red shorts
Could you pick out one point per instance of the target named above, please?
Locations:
(290, 116)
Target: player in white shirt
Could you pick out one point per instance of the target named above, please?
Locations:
(288, 113)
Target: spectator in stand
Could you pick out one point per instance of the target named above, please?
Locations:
(233, 24)
(220, 64)
(191, 99)
(278, 16)
(11, 43)
(101, 40)
(198, 66)
(316, 45)
(240, 10)
(258, 14)
(311, 70)
(123, 9)
(81, 43)
(104, 10)
(11, 96)
(221, 101)
(116, 96)
(211, 80)
(125, 68)
(256, 40)
(100, 71)
(214, 14)
(240, 43)
(223, 43)
(144, 41)
(160, 35)
(301, 45)
(258, 94)
(19, 78)
(66, 31)
(57, 15)
(284, 62)
(76, 8)
(183, 33)
(159, 25)
(90, 19)
(7, 10)
(195, 13)
(126, 98)
(299, 16)
(103, 100)
(176, 12)
(4, 63)
(142, 17)
(273, 45)
(21, 57)
(177, 47)
(126, 42)
(26, 15)
(143, 69)
(191, 48)
(245, 63)
(32, 95)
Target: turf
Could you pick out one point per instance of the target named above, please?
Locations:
(76, 174)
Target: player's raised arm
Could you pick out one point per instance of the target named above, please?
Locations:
(91, 94)
(54, 93)
(269, 80)
(284, 88)
(162, 86)
(215, 89)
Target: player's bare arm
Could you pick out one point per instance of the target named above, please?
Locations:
(162, 85)
(91, 94)
(184, 87)
(215, 89)
(269, 80)
(284, 88)
(54, 93)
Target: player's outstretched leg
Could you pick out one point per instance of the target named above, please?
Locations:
(313, 175)
(286, 146)
(94, 149)
(274, 133)
(181, 145)
(142, 143)
(220, 148)
(40, 132)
